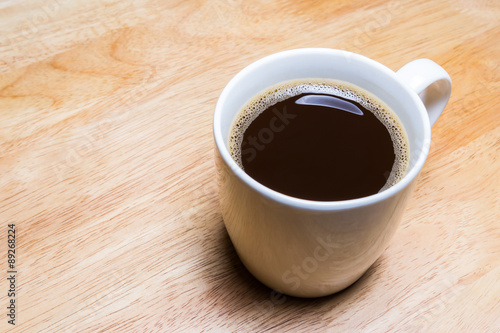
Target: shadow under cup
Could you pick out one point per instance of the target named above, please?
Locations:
(308, 248)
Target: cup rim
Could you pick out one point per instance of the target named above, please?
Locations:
(305, 203)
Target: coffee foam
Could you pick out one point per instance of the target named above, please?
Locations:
(284, 90)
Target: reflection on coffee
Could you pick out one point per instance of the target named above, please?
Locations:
(323, 140)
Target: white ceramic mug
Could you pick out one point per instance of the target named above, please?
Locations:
(308, 248)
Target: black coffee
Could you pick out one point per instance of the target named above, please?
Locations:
(320, 140)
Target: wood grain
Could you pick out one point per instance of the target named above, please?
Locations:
(106, 166)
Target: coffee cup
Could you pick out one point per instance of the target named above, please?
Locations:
(309, 248)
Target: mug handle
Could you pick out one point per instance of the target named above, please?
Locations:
(431, 82)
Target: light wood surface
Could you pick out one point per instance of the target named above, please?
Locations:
(106, 166)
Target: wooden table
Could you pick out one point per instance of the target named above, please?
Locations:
(107, 171)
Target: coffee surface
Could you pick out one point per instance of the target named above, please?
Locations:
(320, 140)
